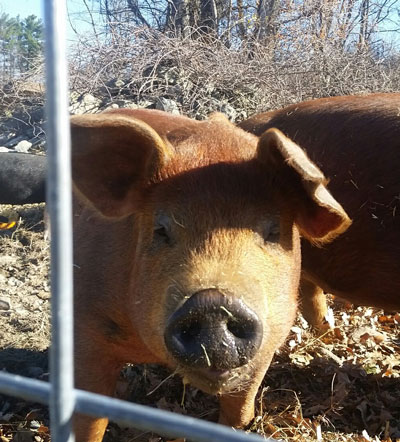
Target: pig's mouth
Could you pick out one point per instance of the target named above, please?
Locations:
(215, 381)
(214, 336)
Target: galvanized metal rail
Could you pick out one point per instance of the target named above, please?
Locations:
(129, 414)
(59, 191)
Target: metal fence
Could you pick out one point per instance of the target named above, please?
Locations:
(62, 398)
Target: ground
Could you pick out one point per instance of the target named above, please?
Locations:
(342, 386)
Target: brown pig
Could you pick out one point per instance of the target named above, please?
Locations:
(187, 250)
(356, 142)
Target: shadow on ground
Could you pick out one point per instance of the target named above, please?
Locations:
(340, 398)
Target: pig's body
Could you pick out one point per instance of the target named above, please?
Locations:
(22, 178)
(187, 251)
(356, 142)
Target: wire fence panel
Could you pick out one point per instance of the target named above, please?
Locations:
(59, 193)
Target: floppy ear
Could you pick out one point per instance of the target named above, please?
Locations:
(319, 217)
(112, 158)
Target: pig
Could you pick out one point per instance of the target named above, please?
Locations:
(187, 251)
(22, 178)
(356, 142)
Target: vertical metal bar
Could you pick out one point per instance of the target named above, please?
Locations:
(62, 398)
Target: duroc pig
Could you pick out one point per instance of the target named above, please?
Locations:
(356, 142)
(187, 250)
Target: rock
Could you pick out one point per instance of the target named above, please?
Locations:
(13, 281)
(6, 135)
(112, 106)
(229, 111)
(167, 105)
(89, 99)
(84, 104)
(5, 303)
(23, 146)
(171, 75)
(34, 424)
(205, 106)
(74, 96)
(130, 105)
(113, 87)
(14, 141)
(24, 88)
(116, 82)
(43, 295)
(7, 260)
(126, 104)
(3, 276)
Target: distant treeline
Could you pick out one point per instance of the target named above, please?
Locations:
(21, 43)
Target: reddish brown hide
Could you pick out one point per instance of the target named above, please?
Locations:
(187, 251)
(356, 142)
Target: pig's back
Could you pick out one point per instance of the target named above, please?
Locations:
(356, 143)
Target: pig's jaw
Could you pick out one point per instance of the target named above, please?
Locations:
(217, 381)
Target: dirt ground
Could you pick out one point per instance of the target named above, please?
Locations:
(343, 386)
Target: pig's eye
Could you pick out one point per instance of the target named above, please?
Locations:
(161, 234)
(162, 230)
(271, 231)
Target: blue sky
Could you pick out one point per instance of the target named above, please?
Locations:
(21, 7)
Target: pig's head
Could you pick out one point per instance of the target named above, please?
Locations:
(217, 216)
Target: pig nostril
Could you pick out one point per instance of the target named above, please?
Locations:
(190, 331)
(237, 329)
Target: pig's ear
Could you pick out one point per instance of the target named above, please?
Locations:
(317, 214)
(113, 156)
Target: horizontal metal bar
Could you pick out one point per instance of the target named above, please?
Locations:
(25, 388)
(129, 414)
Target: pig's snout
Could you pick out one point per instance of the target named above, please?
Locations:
(213, 330)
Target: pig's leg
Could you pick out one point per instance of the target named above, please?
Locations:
(237, 409)
(88, 429)
(313, 303)
(97, 372)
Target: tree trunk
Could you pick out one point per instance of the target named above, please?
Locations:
(267, 11)
(178, 16)
(240, 26)
(364, 13)
(208, 17)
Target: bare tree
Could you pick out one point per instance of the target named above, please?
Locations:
(351, 25)
(364, 25)
(240, 22)
(267, 21)
(178, 16)
(208, 17)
